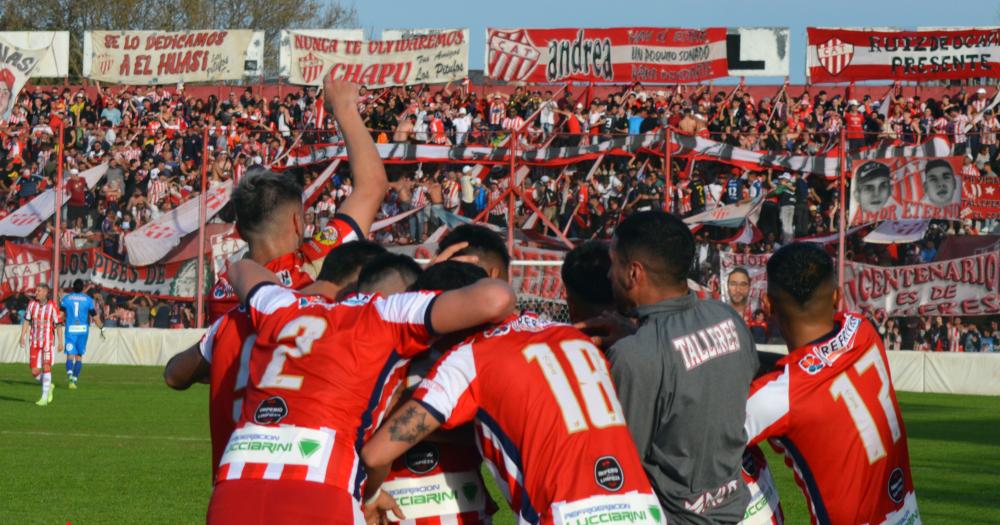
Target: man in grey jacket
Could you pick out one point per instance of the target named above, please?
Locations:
(683, 376)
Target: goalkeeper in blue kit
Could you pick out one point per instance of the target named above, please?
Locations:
(78, 307)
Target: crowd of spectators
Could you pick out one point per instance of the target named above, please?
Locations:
(152, 139)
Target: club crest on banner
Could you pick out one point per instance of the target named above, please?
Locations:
(104, 62)
(512, 55)
(835, 55)
(310, 66)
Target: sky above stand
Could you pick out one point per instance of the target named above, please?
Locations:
(376, 15)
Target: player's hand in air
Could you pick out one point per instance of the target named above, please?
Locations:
(339, 94)
(606, 329)
(448, 254)
(376, 513)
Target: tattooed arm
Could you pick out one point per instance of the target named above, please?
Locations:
(409, 425)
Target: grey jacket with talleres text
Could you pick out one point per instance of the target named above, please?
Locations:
(683, 380)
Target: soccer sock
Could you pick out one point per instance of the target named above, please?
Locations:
(69, 366)
(46, 384)
(77, 365)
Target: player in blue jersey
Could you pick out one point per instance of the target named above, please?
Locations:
(78, 307)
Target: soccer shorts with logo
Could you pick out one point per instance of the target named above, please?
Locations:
(40, 356)
(282, 502)
(76, 343)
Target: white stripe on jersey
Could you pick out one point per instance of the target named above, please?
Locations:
(767, 406)
(235, 470)
(208, 340)
(274, 470)
(508, 462)
(405, 308)
(268, 299)
(450, 381)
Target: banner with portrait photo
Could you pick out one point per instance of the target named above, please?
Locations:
(964, 287)
(755, 266)
(16, 65)
(422, 59)
(980, 198)
(168, 57)
(847, 55)
(905, 189)
(620, 54)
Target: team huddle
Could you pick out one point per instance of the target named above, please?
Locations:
(351, 385)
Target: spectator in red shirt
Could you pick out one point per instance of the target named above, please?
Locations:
(77, 203)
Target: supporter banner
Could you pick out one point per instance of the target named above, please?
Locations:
(403, 34)
(905, 189)
(828, 238)
(621, 54)
(154, 240)
(755, 265)
(164, 57)
(431, 59)
(731, 216)
(966, 286)
(55, 63)
(312, 193)
(898, 232)
(758, 51)
(225, 248)
(16, 66)
(845, 55)
(980, 198)
(28, 265)
(28, 217)
(285, 64)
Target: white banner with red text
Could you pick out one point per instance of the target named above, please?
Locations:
(423, 59)
(154, 240)
(898, 232)
(28, 217)
(981, 198)
(16, 66)
(905, 189)
(167, 57)
(620, 54)
(964, 287)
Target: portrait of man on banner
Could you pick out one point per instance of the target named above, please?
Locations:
(901, 189)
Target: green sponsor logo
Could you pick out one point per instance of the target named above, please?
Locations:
(260, 446)
(436, 498)
(755, 506)
(654, 511)
(308, 447)
(471, 490)
(626, 516)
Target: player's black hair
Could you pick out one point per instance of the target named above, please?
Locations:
(739, 269)
(872, 170)
(938, 163)
(258, 195)
(480, 238)
(585, 273)
(384, 265)
(798, 269)
(78, 286)
(662, 241)
(344, 261)
(449, 275)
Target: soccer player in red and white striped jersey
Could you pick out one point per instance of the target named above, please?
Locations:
(39, 332)
(546, 415)
(321, 376)
(830, 406)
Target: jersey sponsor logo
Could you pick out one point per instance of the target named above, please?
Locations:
(525, 323)
(711, 499)
(896, 485)
(285, 277)
(422, 458)
(811, 364)
(707, 344)
(270, 411)
(620, 508)
(287, 445)
(830, 351)
(608, 473)
(438, 495)
(222, 289)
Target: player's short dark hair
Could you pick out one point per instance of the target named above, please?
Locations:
(78, 285)
(344, 261)
(480, 238)
(384, 265)
(938, 163)
(662, 241)
(798, 269)
(258, 195)
(585, 273)
(739, 269)
(872, 170)
(449, 275)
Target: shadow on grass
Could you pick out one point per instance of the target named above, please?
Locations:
(14, 399)
(13, 382)
(979, 432)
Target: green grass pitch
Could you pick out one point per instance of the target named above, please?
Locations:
(123, 448)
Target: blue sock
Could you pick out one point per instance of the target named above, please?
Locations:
(77, 365)
(69, 365)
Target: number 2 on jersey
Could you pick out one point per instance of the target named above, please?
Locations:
(843, 388)
(305, 331)
(592, 377)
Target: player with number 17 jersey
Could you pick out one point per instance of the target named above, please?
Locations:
(830, 407)
(321, 375)
(547, 420)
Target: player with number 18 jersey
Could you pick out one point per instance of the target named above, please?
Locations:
(830, 407)
(547, 420)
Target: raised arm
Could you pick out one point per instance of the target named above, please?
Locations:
(486, 301)
(246, 274)
(370, 182)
